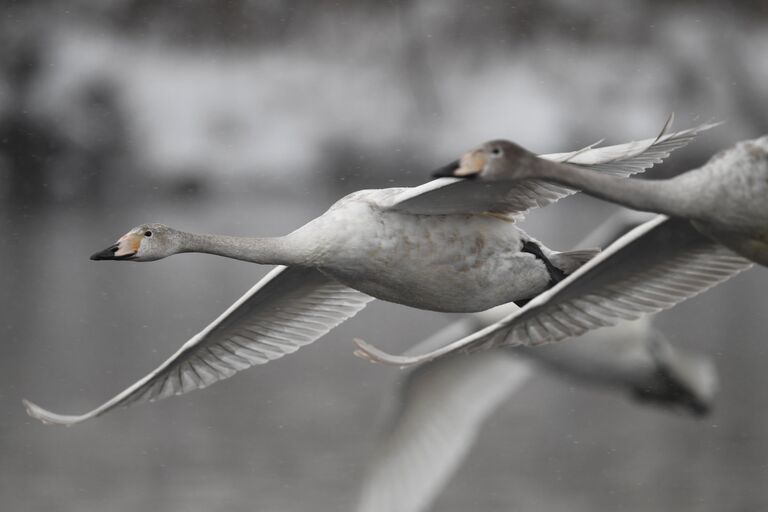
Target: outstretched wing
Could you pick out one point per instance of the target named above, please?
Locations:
(515, 198)
(651, 268)
(289, 308)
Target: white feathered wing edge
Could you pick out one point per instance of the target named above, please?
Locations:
(289, 308)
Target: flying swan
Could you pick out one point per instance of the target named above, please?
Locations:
(442, 405)
(442, 246)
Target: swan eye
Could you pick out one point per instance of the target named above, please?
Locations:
(496, 151)
(147, 234)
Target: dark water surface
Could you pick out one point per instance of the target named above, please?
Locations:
(296, 434)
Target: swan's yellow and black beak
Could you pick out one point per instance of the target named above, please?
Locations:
(125, 249)
(470, 165)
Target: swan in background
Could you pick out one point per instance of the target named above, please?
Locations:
(726, 199)
(442, 405)
(441, 246)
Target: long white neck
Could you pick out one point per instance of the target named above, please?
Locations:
(269, 251)
(675, 196)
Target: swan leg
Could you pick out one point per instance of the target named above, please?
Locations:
(555, 274)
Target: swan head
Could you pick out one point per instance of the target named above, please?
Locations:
(147, 242)
(493, 161)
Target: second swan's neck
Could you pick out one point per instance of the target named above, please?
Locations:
(268, 251)
(674, 196)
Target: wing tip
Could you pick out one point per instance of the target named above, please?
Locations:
(48, 417)
(690, 132)
(369, 353)
(665, 128)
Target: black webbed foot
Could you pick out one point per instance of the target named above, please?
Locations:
(555, 274)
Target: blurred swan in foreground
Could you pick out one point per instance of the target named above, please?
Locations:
(726, 199)
(444, 403)
(442, 246)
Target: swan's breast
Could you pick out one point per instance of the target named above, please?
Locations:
(444, 263)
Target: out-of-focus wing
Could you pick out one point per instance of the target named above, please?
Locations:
(651, 268)
(515, 198)
(442, 407)
(289, 308)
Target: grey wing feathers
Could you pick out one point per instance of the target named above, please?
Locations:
(632, 157)
(289, 308)
(652, 268)
(667, 264)
(516, 198)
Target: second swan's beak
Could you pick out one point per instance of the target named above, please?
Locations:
(125, 249)
(447, 170)
(106, 254)
(470, 165)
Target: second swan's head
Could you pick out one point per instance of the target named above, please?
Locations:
(147, 242)
(496, 160)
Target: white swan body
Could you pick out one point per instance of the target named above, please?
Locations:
(450, 263)
(731, 195)
(447, 245)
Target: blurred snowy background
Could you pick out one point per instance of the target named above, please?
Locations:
(250, 117)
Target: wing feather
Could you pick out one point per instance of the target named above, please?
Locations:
(289, 308)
